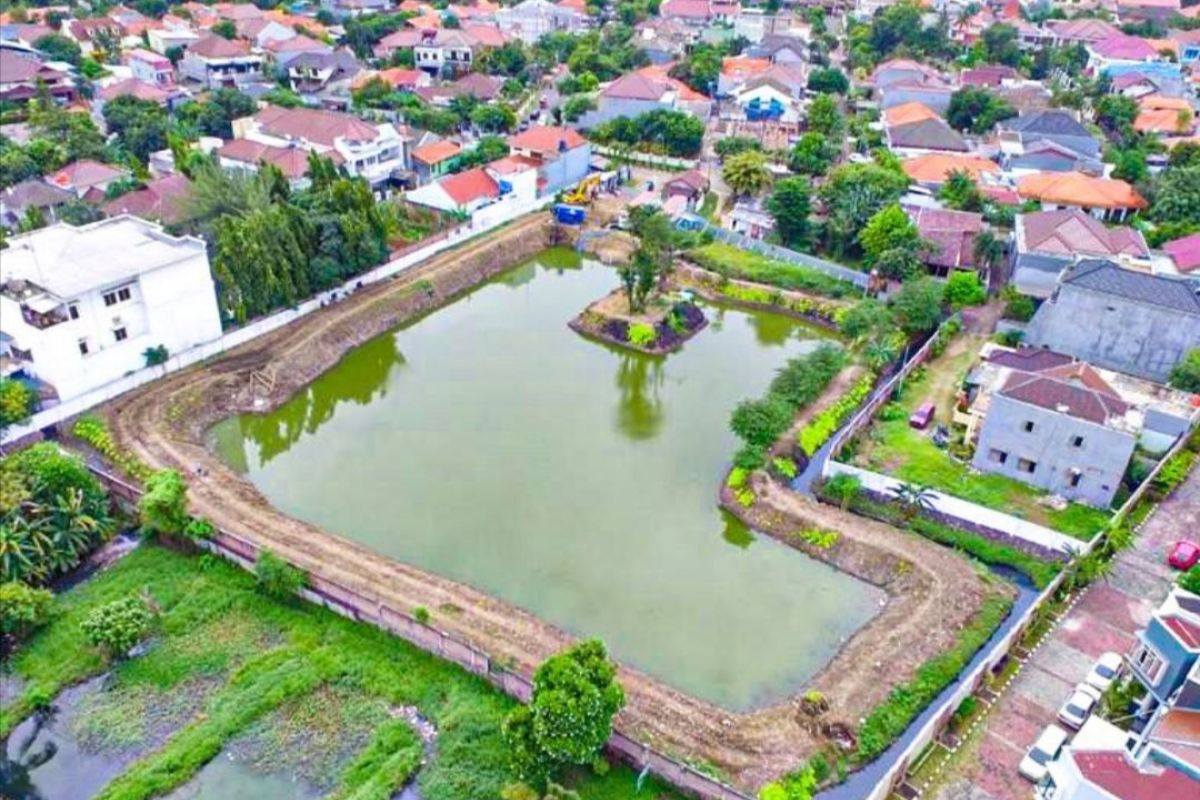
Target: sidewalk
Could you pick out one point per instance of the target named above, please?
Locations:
(1105, 617)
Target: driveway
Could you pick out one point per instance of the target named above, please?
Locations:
(1105, 617)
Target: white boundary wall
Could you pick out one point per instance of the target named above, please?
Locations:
(485, 219)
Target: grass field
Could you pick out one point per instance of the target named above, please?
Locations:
(750, 266)
(893, 448)
(293, 678)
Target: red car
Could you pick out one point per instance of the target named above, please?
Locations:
(921, 418)
(1184, 555)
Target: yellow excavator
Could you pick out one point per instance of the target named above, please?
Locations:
(583, 192)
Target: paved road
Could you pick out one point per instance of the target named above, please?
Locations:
(1106, 618)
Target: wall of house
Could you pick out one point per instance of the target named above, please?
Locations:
(611, 108)
(1101, 459)
(1177, 660)
(570, 167)
(939, 101)
(1122, 335)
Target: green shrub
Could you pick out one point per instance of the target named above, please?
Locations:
(117, 626)
(1190, 580)
(822, 540)
(17, 402)
(747, 265)
(745, 497)
(199, 528)
(785, 467)
(277, 578)
(761, 422)
(826, 423)
(22, 608)
(750, 457)
(965, 289)
(801, 380)
(737, 478)
(891, 718)
(93, 431)
(421, 615)
(1017, 306)
(163, 505)
(642, 334)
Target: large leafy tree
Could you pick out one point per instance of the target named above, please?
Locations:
(977, 110)
(16, 403)
(1178, 196)
(853, 194)
(828, 80)
(140, 125)
(789, 206)
(1186, 374)
(918, 305)
(1001, 44)
(661, 130)
(811, 155)
(59, 48)
(746, 173)
(569, 716)
(960, 192)
(825, 117)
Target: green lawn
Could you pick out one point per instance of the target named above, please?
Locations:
(708, 208)
(311, 688)
(892, 447)
(750, 266)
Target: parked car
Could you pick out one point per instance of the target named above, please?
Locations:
(1184, 555)
(921, 418)
(1079, 706)
(1047, 747)
(1106, 670)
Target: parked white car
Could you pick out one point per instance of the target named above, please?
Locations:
(1106, 670)
(1079, 706)
(1034, 765)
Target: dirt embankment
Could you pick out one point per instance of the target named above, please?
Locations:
(164, 424)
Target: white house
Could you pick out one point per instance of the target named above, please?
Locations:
(508, 183)
(374, 151)
(533, 19)
(79, 307)
(217, 62)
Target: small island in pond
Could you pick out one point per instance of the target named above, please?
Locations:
(659, 325)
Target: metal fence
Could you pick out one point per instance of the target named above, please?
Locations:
(830, 268)
(361, 608)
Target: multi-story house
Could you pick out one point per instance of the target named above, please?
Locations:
(562, 156)
(373, 150)
(22, 75)
(216, 62)
(1063, 425)
(1119, 319)
(80, 306)
(532, 19)
(1047, 242)
(151, 68)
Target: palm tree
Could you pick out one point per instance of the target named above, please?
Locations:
(844, 487)
(913, 498)
(988, 250)
(747, 173)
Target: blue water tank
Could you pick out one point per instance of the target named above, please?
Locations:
(569, 215)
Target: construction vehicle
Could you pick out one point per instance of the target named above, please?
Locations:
(583, 192)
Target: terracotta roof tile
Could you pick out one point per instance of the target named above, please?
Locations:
(546, 139)
(936, 167)
(1077, 189)
(436, 152)
(908, 112)
(473, 184)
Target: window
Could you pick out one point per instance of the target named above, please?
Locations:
(997, 456)
(117, 296)
(73, 311)
(83, 347)
(120, 334)
(1028, 426)
(1148, 662)
(1073, 481)
(1025, 465)
(1076, 441)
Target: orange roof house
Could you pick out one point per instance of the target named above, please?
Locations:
(907, 113)
(935, 168)
(1076, 190)
(1165, 121)
(436, 152)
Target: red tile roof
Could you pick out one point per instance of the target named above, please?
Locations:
(1126, 48)
(1185, 252)
(1185, 630)
(160, 199)
(1077, 189)
(1112, 772)
(1071, 231)
(468, 186)
(1073, 389)
(436, 152)
(315, 125)
(85, 173)
(292, 161)
(213, 46)
(134, 88)
(546, 139)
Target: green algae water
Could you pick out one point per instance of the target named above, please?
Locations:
(489, 443)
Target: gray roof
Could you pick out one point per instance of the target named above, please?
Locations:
(1047, 122)
(927, 134)
(1162, 422)
(1106, 277)
(34, 192)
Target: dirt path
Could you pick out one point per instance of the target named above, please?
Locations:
(164, 424)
